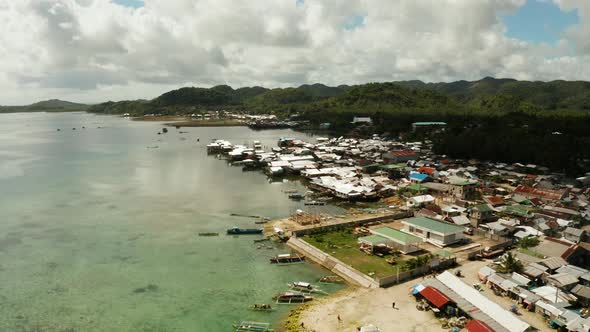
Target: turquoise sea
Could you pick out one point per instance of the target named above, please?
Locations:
(98, 232)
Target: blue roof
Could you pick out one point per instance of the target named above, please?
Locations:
(418, 176)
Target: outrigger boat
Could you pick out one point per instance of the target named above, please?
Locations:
(261, 307)
(304, 287)
(291, 298)
(208, 234)
(253, 326)
(331, 279)
(241, 231)
(287, 259)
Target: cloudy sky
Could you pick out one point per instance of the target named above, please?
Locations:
(98, 50)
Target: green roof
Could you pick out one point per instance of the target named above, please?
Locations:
(373, 239)
(393, 166)
(396, 236)
(519, 210)
(433, 225)
(417, 187)
(482, 208)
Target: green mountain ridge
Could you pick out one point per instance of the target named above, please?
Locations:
(51, 105)
(488, 94)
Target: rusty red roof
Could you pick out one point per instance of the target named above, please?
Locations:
(403, 153)
(475, 325)
(426, 170)
(435, 296)
(541, 192)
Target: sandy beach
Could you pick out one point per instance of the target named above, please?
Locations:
(360, 306)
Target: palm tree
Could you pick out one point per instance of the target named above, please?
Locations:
(510, 264)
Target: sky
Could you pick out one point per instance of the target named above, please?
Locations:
(97, 50)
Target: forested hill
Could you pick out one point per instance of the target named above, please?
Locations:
(488, 94)
(52, 105)
(572, 95)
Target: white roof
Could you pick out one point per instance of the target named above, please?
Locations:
(369, 328)
(487, 306)
(550, 294)
(461, 220)
(553, 310)
(423, 199)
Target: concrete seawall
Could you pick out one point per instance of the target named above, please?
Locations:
(335, 265)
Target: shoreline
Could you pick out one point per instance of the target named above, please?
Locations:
(187, 121)
(292, 322)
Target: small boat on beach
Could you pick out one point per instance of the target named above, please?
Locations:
(319, 203)
(331, 279)
(208, 234)
(296, 196)
(243, 231)
(283, 259)
(261, 307)
(304, 287)
(291, 298)
(253, 326)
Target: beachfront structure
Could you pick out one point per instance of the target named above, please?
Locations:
(406, 243)
(473, 303)
(438, 233)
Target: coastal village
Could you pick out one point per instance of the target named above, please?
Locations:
(429, 242)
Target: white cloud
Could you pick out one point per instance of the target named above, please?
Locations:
(95, 50)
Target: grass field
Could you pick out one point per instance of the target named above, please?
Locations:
(343, 245)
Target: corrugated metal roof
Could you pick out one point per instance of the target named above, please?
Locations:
(465, 305)
(435, 296)
(553, 262)
(489, 307)
(374, 239)
(433, 225)
(396, 235)
(475, 325)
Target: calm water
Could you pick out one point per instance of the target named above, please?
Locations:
(99, 233)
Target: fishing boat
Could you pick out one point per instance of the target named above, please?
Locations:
(253, 326)
(208, 234)
(282, 259)
(291, 298)
(261, 307)
(243, 231)
(304, 287)
(261, 240)
(331, 279)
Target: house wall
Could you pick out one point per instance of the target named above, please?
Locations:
(437, 239)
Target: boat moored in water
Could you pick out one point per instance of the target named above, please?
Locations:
(292, 298)
(261, 307)
(287, 259)
(304, 287)
(331, 279)
(253, 326)
(243, 231)
(208, 234)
